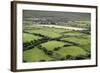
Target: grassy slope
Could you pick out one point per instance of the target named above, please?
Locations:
(29, 37)
(35, 54)
(52, 44)
(51, 32)
(72, 50)
(84, 43)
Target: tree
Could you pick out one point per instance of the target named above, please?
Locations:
(42, 60)
(80, 57)
(56, 48)
(64, 58)
(69, 57)
(50, 53)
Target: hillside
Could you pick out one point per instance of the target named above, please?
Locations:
(64, 15)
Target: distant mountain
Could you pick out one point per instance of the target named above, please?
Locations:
(65, 16)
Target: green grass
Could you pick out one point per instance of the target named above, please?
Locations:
(35, 55)
(46, 33)
(73, 33)
(75, 39)
(29, 37)
(52, 44)
(76, 34)
(71, 50)
(84, 43)
(50, 32)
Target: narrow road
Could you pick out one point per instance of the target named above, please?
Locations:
(64, 27)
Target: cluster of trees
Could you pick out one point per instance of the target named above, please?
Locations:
(67, 57)
(79, 57)
(45, 50)
(58, 48)
(70, 57)
(86, 31)
(33, 43)
(79, 24)
(36, 34)
(50, 53)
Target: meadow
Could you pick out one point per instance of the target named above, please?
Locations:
(42, 43)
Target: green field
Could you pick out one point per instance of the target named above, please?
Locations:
(46, 31)
(71, 50)
(50, 44)
(29, 37)
(35, 54)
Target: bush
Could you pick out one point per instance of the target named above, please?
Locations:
(80, 57)
(57, 48)
(64, 58)
(42, 60)
(24, 61)
(66, 45)
(50, 53)
(69, 57)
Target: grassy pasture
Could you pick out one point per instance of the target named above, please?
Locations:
(46, 31)
(57, 38)
(35, 55)
(50, 45)
(29, 37)
(71, 50)
(84, 43)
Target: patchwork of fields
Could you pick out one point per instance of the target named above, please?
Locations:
(42, 43)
